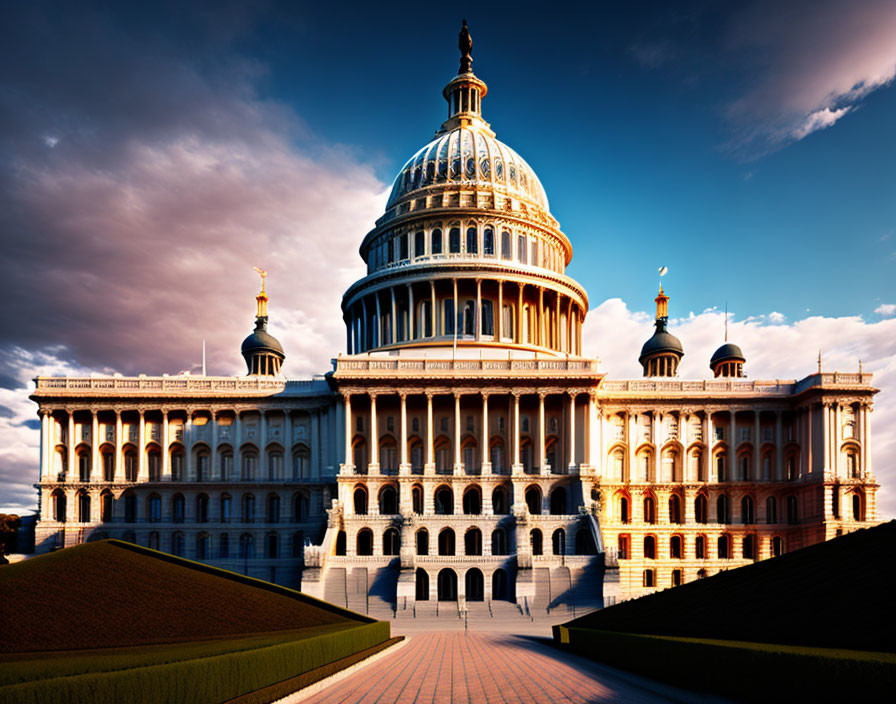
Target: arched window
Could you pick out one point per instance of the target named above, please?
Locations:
(84, 466)
(360, 499)
(649, 579)
(202, 546)
(417, 499)
(154, 462)
(777, 546)
(454, 240)
(177, 464)
(388, 455)
(745, 468)
(700, 547)
(226, 507)
(422, 537)
(153, 542)
(248, 508)
(301, 463)
(746, 510)
(341, 543)
(488, 242)
(247, 546)
(558, 542)
(558, 501)
(299, 507)
(106, 503)
(650, 547)
(108, 465)
(202, 508)
(700, 509)
(473, 542)
(748, 547)
(298, 545)
(623, 546)
(676, 549)
(272, 546)
(223, 546)
(422, 585)
(536, 541)
(472, 241)
(722, 515)
(177, 544)
(154, 508)
(499, 585)
(500, 501)
(771, 510)
(416, 456)
(446, 542)
(444, 501)
(178, 508)
(443, 456)
(721, 467)
(391, 541)
(499, 541)
(364, 542)
(472, 501)
(649, 510)
(436, 241)
(723, 551)
(249, 465)
(675, 509)
(447, 585)
(130, 465)
(858, 508)
(474, 584)
(624, 512)
(202, 466)
(506, 248)
(272, 509)
(533, 500)
(388, 501)
(83, 507)
(792, 511)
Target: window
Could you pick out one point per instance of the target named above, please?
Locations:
(777, 546)
(748, 548)
(649, 578)
(506, 249)
(177, 508)
(419, 244)
(535, 540)
(858, 511)
(155, 508)
(746, 510)
(676, 578)
(623, 547)
(472, 241)
(522, 252)
(771, 510)
(649, 510)
(436, 241)
(722, 549)
(792, 512)
(177, 544)
(700, 547)
(448, 306)
(488, 242)
(486, 315)
(202, 546)
(624, 515)
(675, 509)
(454, 240)
(272, 509)
(402, 247)
(271, 546)
(226, 504)
(202, 508)
(224, 546)
(675, 547)
(700, 512)
(417, 499)
(650, 547)
(722, 509)
(248, 508)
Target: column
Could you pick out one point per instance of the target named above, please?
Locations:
(454, 327)
(119, 470)
(363, 326)
(374, 466)
(826, 435)
(478, 322)
(45, 455)
(411, 335)
(142, 474)
(314, 442)
(519, 316)
(589, 432)
(557, 322)
(631, 422)
(404, 467)
(166, 456)
(541, 444)
(732, 444)
(757, 444)
(214, 468)
(393, 335)
(866, 445)
(379, 321)
(540, 323)
(347, 402)
(457, 429)
(517, 466)
(486, 464)
(262, 445)
(499, 314)
(429, 468)
(657, 447)
(70, 447)
(779, 446)
(835, 439)
(432, 311)
(348, 335)
(709, 470)
(96, 470)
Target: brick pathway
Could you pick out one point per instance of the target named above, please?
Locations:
(453, 668)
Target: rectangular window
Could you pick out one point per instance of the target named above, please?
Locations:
(402, 247)
(506, 250)
(472, 240)
(454, 240)
(487, 322)
(488, 242)
(522, 252)
(419, 244)
(436, 241)
(534, 256)
(449, 317)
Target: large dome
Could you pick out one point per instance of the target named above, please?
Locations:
(468, 156)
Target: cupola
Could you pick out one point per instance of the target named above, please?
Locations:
(661, 354)
(261, 350)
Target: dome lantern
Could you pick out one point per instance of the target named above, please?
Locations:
(465, 92)
(728, 360)
(261, 350)
(661, 354)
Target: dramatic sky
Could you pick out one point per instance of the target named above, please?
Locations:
(152, 153)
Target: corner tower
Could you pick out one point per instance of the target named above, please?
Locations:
(261, 350)
(467, 254)
(661, 354)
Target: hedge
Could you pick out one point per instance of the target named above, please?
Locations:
(741, 670)
(217, 678)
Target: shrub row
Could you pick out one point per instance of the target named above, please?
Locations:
(739, 670)
(200, 680)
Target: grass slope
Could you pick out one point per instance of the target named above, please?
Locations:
(803, 598)
(113, 594)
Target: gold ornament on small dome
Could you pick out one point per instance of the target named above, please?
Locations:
(262, 297)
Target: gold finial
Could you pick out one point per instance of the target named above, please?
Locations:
(662, 304)
(262, 297)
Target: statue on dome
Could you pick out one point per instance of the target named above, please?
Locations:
(465, 44)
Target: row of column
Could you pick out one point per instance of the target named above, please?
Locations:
(368, 325)
(429, 467)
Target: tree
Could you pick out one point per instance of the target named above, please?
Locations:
(9, 523)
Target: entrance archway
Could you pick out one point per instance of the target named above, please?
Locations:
(474, 583)
(422, 591)
(447, 585)
(499, 584)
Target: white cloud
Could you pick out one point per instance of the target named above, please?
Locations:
(818, 120)
(774, 350)
(775, 317)
(887, 310)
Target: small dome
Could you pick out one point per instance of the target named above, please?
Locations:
(261, 341)
(661, 341)
(727, 352)
(471, 157)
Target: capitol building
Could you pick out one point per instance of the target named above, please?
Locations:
(464, 447)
